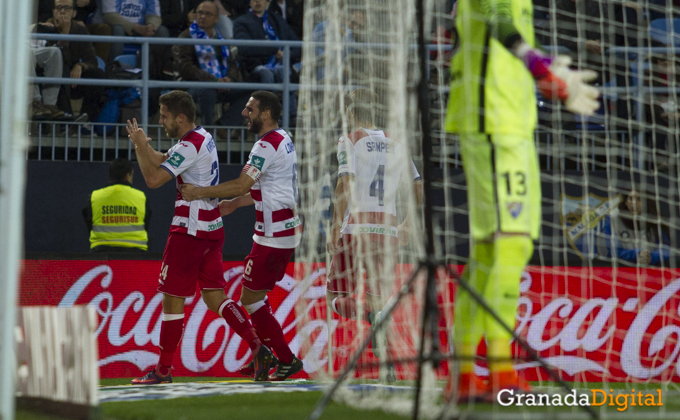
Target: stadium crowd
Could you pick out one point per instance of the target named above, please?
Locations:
(218, 19)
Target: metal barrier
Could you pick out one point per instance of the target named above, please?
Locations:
(236, 148)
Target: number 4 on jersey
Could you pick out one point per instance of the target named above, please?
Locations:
(377, 187)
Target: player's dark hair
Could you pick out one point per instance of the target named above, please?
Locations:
(119, 169)
(268, 102)
(179, 102)
(362, 103)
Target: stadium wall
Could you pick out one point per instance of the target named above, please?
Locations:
(56, 193)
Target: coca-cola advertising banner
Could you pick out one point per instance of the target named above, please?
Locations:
(589, 323)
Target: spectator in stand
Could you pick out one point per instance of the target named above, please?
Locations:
(44, 103)
(210, 63)
(633, 233)
(85, 11)
(292, 11)
(118, 215)
(177, 15)
(265, 62)
(350, 30)
(138, 18)
(78, 60)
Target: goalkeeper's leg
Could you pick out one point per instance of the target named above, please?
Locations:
(469, 324)
(511, 254)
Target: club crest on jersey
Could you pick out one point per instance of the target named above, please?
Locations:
(257, 162)
(515, 208)
(175, 160)
(342, 158)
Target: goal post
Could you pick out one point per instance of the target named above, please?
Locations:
(14, 50)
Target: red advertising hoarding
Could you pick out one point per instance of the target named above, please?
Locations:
(589, 323)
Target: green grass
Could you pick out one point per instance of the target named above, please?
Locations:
(298, 405)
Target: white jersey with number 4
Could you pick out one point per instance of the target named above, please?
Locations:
(273, 165)
(378, 164)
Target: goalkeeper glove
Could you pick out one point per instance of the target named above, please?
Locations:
(555, 80)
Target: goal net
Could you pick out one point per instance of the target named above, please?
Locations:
(359, 148)
(599, 297)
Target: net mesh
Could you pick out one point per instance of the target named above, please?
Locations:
(599, 297)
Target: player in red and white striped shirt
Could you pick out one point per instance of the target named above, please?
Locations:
(268, 181)
(193, 253)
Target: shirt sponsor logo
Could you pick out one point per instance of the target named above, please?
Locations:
(215, 226)
(257, 162)
(293, 224)
(379, 230)
(342, 158)
(176, 160)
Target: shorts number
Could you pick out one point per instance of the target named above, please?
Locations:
(164, 273)
(520, 182)
(377, 187)
(249, 266)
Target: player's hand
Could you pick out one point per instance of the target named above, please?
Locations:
(136, 134)
(555, 80)
(333, 240)
(189, 192)
(581, 97)
(226, 207)
(644, 257)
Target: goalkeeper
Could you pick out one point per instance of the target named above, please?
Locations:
(492, 107)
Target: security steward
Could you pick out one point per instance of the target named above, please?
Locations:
(118, 215)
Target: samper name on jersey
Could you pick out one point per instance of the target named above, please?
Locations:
(379, 146)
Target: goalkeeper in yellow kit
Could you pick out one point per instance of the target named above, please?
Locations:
(492, 107)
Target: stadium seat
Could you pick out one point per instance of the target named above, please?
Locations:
(101, 63)
(129, 59)
(660, 31)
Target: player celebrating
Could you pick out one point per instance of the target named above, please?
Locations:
(492, 107)
(269, 181)
(193, 253)
(371, 168)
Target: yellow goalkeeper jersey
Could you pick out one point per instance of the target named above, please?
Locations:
(491, 90)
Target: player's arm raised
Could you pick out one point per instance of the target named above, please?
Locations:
(234, 188)
(149, 160)
(554, 78)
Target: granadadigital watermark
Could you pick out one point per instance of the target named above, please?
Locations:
(598, 397)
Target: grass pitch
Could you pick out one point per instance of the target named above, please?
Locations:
(194, 399)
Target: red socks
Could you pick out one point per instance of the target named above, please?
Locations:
(237, 319)
(269, 329)
(172, 328)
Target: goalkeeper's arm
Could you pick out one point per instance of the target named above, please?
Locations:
(553, 77)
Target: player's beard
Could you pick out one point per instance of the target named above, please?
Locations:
(172, 129)
(255, 125)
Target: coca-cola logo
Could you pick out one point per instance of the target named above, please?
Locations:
(202, 329)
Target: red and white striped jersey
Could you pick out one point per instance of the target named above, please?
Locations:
(194, 161)
(378, 164)
(273, 165)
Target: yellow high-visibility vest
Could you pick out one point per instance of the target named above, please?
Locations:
(118, 213)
